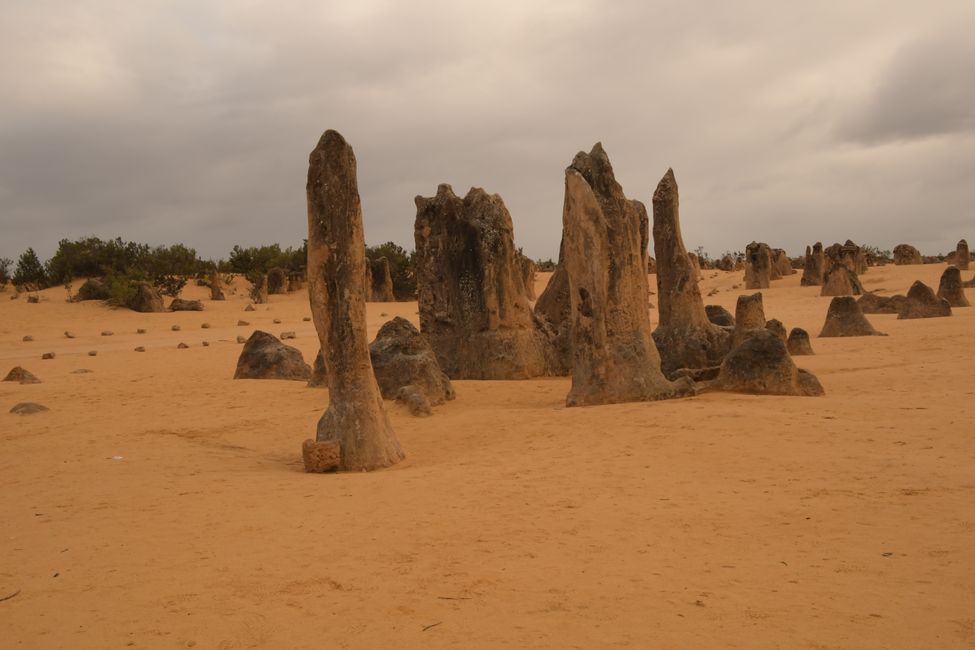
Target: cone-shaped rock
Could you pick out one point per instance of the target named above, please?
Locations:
(604, 236)
(356, 419)
(923, 303)
(474, 308)
(814, 266)
(758, 266)
(749, 317)
(871, 303)
(906, 254)
(844, 318)
(762, 365)
(719, 315)
(265, 357)
(401, 357)
(685, 337)
(962, 255)
(798, 342)
(21, 376)
(951, 288)
(840, 281)
(145, 299)
(319, 376)
(382, 280)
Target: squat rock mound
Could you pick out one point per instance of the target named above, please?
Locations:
(906, 254)
(179, 304)
(923, 303)
(798, 343)
(402, 358)
(871, 303)
(845, 318)
(145, 299)
(21, 376)
(952, 289)
(265, 357)
(762, 365)
(28, 408)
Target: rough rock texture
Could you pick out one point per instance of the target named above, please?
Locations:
(415, 400)
(474, 308)
(775, 326)
(258, 291)
(814, 267)
(923, 303)
(277, 281)
(179, 304)
(605, 236)
(93, 289)
(265, 357)
(382, 281)
(859, 257)
(695, 266)
(749, 318)
(319, 376)
(145, 299)
(798, 343)
(762, 365)
(844, 318)
(962, 255)
(719, 315)
(871, 303)
(906, 254)
(402, 357)
(685, 337)
(552, 309)
(951, 288)
(840, 281)
(21, 376)
(782, 263)
(356, 417)
(28, 408)
(528, 271)
(758, 266)
(216, 284)
(47, 356)
(320, 457)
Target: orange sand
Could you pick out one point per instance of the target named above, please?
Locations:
(725, 520)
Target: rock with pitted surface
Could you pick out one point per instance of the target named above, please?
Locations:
(845, 318)
(179, 304)
(906, 254)
(952, 289)
(382, 280)
(473, 304)
(685, 337)
(872, 303)
(762, 365)
(775, 326)
(719, 316)
(319, 376)
(145, 299)
(962, 255)
(216, 284)
(814, 266)
(605, 236)
(402, 357)
(922, 302)
(265, 357)
(758, 266)
(21, 376)
(749, 318)
(840, 277)
(798, 343)
(781, 263)
(320, 457)
(528, 271)
(552, 310)
(92, 289)
(356, 418)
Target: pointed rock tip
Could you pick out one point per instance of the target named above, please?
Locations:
(667, 187)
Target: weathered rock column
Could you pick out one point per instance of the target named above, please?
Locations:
(216, 286)
(952, 289)
(382, 281)
(962, 255)
(685, 337)
(614, 357)
(812, 270)
(355, 421)
(758, 266)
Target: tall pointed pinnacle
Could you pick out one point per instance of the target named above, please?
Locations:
(355, 422)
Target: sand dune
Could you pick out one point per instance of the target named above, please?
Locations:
(161, 504)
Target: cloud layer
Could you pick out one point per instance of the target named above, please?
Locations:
(166, 121)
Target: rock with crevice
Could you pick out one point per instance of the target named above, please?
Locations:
(762, 365)
(922, 302)
(402, 357)
(265, 357)
(719, 315)
(814, 266)
(845, 318)
(758, 265)
(145, 299)
(873, 303)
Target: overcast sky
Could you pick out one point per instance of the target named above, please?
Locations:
(169, 121)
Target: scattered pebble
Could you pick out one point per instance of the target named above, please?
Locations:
(205, 326)
(242, 323)
(182, 346)
(140, 331)
(176, 328)
(47, 355)
(28, 339)
(241, 339)
(108, 333)
(206, 344)
(81, 371)
(306, 319)
(140, 348)
(69, 335)
(33, 299)
(92, 353)
(287, 335)
(277, 321)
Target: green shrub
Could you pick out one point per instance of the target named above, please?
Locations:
(30, 271)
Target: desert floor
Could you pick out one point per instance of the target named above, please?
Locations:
(161, 504)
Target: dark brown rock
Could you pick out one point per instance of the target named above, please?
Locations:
(749, 317)
(798, 343)
(814, 267)
(382, 281)
(923, 303)
(356, 417)
(871, 303)
(319, 375)
(758, 266)
(685, 337)
(605, 238)
(906, 254)
(762, 365)
(277, 281)
(415, 400)
(47, 355)
(775, 326)
(726, 263)
(145, 299)
(844, 318)
(962, 255)
(21, 376)
(474, 308)
(402, 357)
(719, 315)
(179, 304)
(951, 288)
(265, 357)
